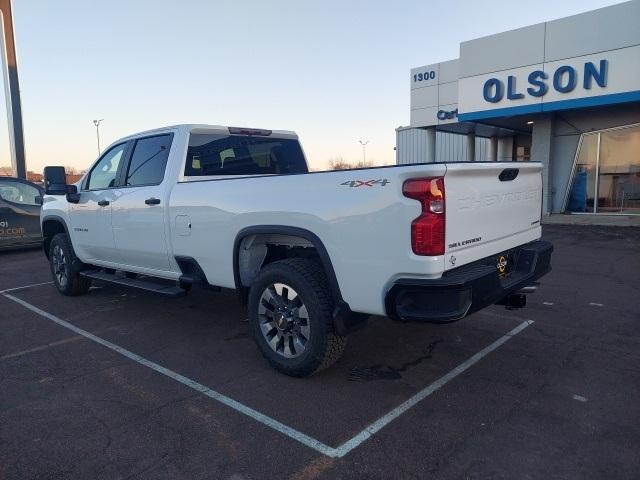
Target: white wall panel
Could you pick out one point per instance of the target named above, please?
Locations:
(609, 28)
(448, 71)
(516, 48)
(424, 97)
(424, 116)
(448, 93)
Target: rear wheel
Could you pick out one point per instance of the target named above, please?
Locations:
(65, 267)
(290, 311)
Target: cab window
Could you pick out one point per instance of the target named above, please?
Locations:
(149, 160)
(103, 174)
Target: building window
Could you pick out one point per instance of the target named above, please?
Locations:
(606, 173)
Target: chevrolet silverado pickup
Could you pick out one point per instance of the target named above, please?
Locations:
(312, 254)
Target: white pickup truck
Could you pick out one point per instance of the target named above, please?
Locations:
(313, 254)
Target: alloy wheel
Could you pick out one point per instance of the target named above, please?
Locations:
(284, 320)
(60, 267)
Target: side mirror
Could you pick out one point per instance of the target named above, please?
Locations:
(72, 194)
(55, 181)
(38, 200)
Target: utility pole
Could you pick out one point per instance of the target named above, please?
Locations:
(97, 124)
(364, 152)
(12, 90)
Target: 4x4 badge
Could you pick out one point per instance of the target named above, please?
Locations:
(452, 260)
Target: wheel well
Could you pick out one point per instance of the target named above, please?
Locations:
(257, 250)
(50, 228)
(260, 245)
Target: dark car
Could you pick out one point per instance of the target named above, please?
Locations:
(20, 203)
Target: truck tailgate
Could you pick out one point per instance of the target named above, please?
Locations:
(490, 208)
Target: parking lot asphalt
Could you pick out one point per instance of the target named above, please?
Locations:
(559, 399)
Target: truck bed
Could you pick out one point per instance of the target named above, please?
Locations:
(362, 218)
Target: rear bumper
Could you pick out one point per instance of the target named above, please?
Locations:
(466, 289)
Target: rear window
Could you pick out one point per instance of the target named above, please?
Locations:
(210, 154)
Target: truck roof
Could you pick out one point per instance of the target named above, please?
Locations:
(202, 128)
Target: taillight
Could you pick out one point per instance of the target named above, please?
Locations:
(427, 231)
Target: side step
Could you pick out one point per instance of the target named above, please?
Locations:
(150, 286)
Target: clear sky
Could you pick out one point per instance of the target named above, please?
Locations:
(334, 71)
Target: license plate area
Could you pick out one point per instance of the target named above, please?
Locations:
(505, 264)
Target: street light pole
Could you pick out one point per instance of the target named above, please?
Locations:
(364, 152)
(9, 67)
(97, 124)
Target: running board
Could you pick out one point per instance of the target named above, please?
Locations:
(166, 290)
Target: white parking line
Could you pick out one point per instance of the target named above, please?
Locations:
(310, 442)
(349, 445)
(24, 286)
(41, 348)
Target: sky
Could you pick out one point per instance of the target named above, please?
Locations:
(336, 72)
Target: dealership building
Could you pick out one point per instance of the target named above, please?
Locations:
(564, 92)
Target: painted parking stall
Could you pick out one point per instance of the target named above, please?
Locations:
(296, 435)
(122, 383)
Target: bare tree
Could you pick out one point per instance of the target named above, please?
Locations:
(363, 164)
(72, 170)
(339, 163)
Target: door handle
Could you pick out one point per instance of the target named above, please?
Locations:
(152, 201)
(103, 203)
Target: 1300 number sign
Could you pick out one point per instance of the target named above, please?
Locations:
(419, 77)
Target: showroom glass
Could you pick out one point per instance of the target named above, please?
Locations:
(149, 160)
(619, 172)
(523, 153)
(20, 193)
(103, 175)
(584, 178)
(211, 154)
(607, 168)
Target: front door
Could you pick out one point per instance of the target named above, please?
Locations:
(138, 216)
(91, 217)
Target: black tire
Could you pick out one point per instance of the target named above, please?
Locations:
(66, 267)
(308, 280)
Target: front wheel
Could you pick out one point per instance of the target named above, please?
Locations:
(290, 312)
(65, 267)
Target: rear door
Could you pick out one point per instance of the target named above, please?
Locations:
(138, 213)
(19, 212)
(490, 208)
